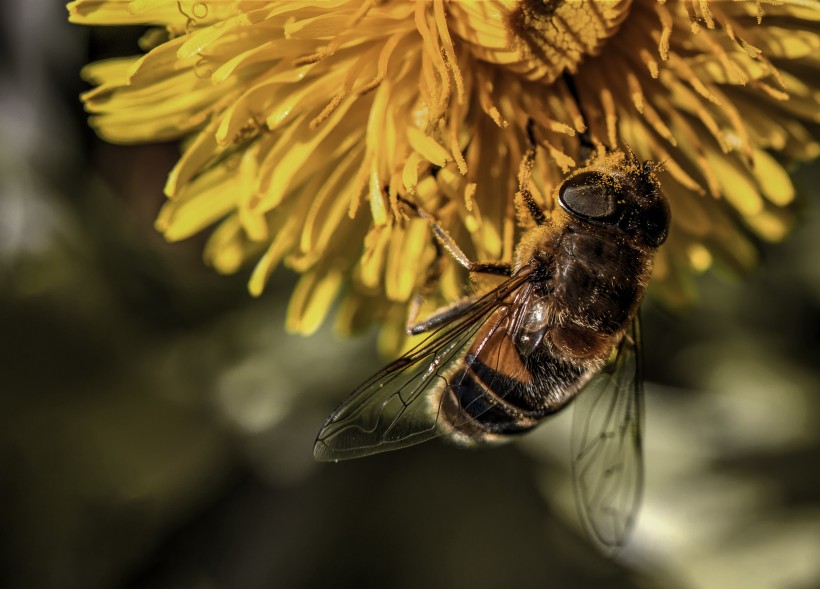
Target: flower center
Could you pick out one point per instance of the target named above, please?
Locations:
(537, 39)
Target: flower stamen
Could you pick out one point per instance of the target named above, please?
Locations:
(665, 36)
(439, 91)
(449, 51)
(331, 48)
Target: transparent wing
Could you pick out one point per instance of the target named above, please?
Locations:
(607, 458)
(392, 409)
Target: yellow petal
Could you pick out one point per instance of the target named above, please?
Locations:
(225, 249)
(405, 260)
(206, 201)
(106, 12)
(312, 299)
(375, 252)
(773, 180)
(285, 235)
(770, 225)
(736, 185)
(427, 147)
(327, 209)
(113, 72)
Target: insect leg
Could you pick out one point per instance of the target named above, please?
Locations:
(524, 173)
(434, 272)
(440, 317)
(587, 146)
(443, 238)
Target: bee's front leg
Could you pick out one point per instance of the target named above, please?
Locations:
(439, 318)
(524, 174)
(444, 239)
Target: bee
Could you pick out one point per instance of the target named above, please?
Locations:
(561, 326)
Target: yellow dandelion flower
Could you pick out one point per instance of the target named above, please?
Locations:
(303, 121)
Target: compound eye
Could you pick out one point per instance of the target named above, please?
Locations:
(586, 195)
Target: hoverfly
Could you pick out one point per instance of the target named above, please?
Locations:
(563, 324)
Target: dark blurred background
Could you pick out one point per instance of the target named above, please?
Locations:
(156, 423)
